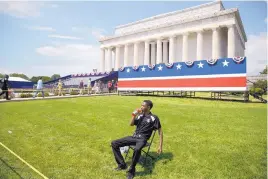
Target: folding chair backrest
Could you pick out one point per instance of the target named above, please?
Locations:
(152, 137)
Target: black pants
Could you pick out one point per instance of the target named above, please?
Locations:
(4, 91)
(110, 89)
(126, 141)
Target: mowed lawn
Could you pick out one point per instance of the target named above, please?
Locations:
(70, 138)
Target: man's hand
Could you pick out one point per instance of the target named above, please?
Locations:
(136, 112)
(159, 151)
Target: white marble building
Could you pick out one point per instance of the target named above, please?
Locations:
(198, 33)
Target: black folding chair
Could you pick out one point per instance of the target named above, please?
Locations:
(148, 145)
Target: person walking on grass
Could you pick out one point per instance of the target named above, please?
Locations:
(146, 122)
(5, 87)
(60, 88)
(39, 88)
(81, 86)
(110, 85)
(89, 87)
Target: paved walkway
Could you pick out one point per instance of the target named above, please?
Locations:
(55, 97)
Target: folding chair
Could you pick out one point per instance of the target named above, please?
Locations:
(148, 145)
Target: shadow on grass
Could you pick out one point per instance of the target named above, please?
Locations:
(148, 167)
(12, 169)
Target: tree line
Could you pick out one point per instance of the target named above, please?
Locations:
(34, 78)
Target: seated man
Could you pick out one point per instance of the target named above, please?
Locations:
(146, 122)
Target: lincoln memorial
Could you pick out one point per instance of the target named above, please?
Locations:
(208, 31)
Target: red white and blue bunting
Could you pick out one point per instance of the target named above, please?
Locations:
(135, 68)
(151, 67)
(169, 65)
(122, 68)
(212, 61)
(238, 59)
(189, 63)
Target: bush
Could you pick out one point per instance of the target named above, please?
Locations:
(26, 95)
(56, 93)
(84, 91)
(260, 84)
(257, 91)
(45, 93)
(73, 92)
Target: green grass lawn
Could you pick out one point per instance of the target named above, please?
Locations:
(70, 138)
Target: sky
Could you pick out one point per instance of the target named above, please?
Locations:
(44, 38)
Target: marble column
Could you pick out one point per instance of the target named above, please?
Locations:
(172, 41)
(126, 55)
(136, 53)
(159, 51)
(153, 53)
(117, 57)
(185, 47)
(199, 45)
(165, 51)
(231, 48)
(146, 53)
(109, 62)
(215, 43)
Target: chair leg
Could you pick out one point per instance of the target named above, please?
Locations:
(127, 154)
(145, 160)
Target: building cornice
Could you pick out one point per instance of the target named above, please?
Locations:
(217, 14)
(169, 14)
(240, 24)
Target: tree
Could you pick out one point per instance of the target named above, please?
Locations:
(45, 78)
(19, 75)
(260, 84)
(55, 76)
(36, 78)
(2, 75)
(264, 71)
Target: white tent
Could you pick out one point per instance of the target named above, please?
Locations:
(17, 79)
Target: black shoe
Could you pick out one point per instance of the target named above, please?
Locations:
(121, 168)
(130, 175)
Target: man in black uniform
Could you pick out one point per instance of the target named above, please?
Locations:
(146, 122)
(5, 87)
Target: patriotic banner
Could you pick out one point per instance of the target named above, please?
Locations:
(189, 63)
(169, 65)
(238, 59)
(225, 75)
(135, 68)
(212, 61)
(151, 67)
(121, 69)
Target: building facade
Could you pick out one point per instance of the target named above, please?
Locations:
(208, 31)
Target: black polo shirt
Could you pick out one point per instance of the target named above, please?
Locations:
(146, 124)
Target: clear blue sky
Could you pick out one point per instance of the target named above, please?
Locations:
(43, 38)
